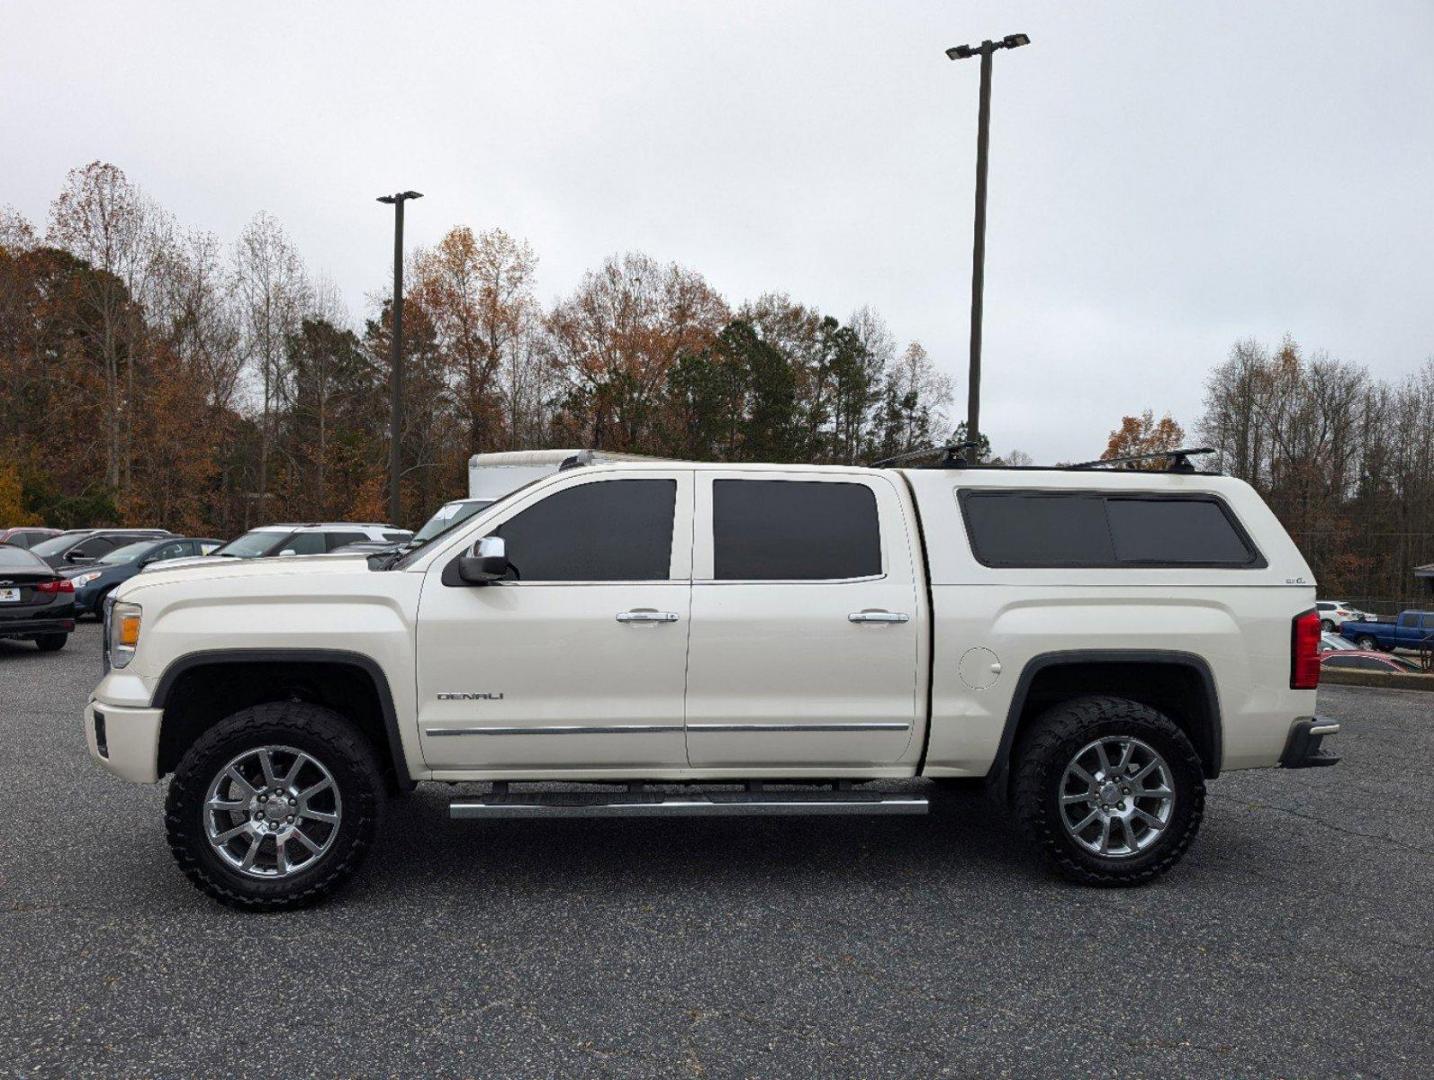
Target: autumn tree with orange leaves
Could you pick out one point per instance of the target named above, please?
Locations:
(1144, 434)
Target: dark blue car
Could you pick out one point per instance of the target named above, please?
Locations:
(95, 581)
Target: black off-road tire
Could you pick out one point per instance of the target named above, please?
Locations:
(318, 731)
(51, 642)
(1049, 745)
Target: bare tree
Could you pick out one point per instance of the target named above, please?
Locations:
(273, 293)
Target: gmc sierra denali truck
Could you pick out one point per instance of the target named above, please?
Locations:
(728, 639)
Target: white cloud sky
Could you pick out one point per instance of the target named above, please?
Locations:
(1165, 178)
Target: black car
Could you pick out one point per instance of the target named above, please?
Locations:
(36, 603)
(94, 581)
(80, 546)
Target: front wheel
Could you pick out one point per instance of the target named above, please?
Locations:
(274, 807)
(1112, 791)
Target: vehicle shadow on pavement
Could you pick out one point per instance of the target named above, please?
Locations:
(964, 837)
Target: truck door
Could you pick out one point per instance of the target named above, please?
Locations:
(805, 622)
(579, 661)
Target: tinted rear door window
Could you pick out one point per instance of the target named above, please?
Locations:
(608, 530)
(794, 530)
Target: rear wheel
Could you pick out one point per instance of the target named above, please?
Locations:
(1112, 791)
(1367, 643)
(274, 807)
(51, 642)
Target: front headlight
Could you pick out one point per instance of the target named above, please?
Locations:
(124, 632)
(84, 579)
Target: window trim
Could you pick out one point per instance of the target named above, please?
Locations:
(1256, 561)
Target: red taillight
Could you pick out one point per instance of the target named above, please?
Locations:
(1304, 658)
(58, 586)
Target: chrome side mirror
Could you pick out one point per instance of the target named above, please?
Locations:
(487, 563)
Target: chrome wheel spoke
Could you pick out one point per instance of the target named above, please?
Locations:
(322, 786)
(234, 775)
(230, 834)
(293, 773)
(1083, 797)
(1128, 834)
(252, 853)
(1149, 819)
(266, 763)
(230, 806)
(303, 838)
(1104, 836)
(318, 815)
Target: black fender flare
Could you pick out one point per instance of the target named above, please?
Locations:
(344, 657)
(1000, 768)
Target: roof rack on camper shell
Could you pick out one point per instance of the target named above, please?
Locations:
(1177, 460)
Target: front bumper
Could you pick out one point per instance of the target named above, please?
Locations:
(26, 627)
(130, 746)
(1302, 748)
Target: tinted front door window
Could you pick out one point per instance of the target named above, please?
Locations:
(611, 530)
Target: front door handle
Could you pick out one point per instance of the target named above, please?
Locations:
(644, 615)
(878, 617)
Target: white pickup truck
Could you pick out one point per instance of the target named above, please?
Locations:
(728, 639)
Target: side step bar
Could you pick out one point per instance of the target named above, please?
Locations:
(640, 804)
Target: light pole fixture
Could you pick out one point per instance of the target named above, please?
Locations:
(985, 50)
(395, 374)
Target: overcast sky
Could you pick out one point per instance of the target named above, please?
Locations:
(1165, 178)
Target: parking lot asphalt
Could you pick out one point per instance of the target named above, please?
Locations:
(1294, 940)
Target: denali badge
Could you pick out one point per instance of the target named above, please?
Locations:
(470, 697)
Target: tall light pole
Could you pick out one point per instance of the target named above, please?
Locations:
(395, 374)
(978, 249)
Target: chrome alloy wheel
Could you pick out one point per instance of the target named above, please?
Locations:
(1116, 797)
(272, 812)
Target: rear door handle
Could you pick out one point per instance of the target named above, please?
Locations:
(646, 616)
(878, 617)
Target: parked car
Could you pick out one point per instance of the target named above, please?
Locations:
(26, 536)
(77, 547)
(1334, 643)
(446, 517)
(96, 580)
(1335, 613)
(36, 603)
(1411, 630)
(1360, 660)
(676, 623)
(312, 538)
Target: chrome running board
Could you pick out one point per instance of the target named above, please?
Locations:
(642, 804)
